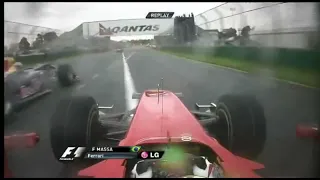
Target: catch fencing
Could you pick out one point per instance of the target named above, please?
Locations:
(14, 32)
(287, 25)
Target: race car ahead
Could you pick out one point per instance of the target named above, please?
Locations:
(24, 85)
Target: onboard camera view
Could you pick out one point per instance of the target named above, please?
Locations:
(161, 90)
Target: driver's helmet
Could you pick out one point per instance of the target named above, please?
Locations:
(18, 66)
(8, 63)
(202, 168)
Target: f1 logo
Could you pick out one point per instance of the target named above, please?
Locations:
(72, 151)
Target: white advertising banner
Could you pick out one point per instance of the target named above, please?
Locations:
(127, 27)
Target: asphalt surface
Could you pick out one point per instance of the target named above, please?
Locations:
(102, 76)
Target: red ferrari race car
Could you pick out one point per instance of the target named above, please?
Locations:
(216, 140)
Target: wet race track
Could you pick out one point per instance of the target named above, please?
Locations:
(108, 79)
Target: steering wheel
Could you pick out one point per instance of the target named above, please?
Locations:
(191, 167)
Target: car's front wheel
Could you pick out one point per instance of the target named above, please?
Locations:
(75, 123)
(241, 127)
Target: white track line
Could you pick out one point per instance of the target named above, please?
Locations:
(240, 71)
(129, 85)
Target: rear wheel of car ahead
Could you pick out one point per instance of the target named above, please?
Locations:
(241, 127)
(65, 74)
(75, 123)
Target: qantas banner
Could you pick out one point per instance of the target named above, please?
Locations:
(131, 27)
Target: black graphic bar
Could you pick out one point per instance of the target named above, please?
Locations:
(159, 15)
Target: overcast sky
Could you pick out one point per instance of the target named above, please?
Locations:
(66, 16)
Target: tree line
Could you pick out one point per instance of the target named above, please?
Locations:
(38, 43)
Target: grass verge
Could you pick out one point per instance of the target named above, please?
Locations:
(305, 77)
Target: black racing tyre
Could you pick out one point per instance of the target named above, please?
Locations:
(75, 123)
(12, 83)
(241, 127)
(65, 74)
